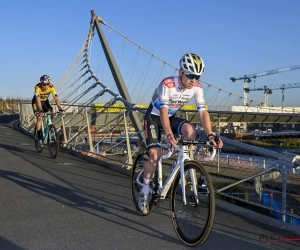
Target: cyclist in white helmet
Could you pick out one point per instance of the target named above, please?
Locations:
(170, 96)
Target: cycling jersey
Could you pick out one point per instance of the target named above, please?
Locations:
(44, 94)
(168, 94)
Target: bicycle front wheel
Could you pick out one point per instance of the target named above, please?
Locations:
(137, 179)
(53, 142)
(193, 221)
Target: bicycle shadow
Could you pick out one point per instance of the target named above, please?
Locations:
(83, 202)
(56, 192)
(76, 199)
(7, 245)
(14, 149)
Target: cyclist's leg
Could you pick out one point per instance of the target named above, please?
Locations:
(45, 109)
(38, 118)
(183, 127)
(152, 131)
(49, 108)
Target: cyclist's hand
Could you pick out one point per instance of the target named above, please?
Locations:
(38, 113)
(215, 141)
(170, 139)
(61, 111)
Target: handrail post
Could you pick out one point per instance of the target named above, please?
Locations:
(284, 181)
(64, 131)
(89, 132)
(127, 141)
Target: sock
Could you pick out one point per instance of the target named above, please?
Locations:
(39, 132)
(145, 189)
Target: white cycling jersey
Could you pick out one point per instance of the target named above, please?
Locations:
(168, 94)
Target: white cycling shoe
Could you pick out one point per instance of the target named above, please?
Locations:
(144, 203)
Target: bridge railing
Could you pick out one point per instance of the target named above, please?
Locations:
(241, 172)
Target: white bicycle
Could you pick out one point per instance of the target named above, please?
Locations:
(190, 187)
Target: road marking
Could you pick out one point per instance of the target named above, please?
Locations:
(65, 163)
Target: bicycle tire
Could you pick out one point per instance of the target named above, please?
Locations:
(38, 148)
(137, 172)
(191, 227)
(53, 142)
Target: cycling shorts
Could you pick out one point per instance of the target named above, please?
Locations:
(153, 127)
(45, 105)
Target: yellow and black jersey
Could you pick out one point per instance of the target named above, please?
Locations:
(44, 94)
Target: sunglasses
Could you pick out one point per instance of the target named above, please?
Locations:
(46, 84)
(191, 76)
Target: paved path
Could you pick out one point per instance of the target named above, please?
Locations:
(69, 203)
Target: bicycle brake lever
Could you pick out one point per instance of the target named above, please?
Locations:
(212, 155)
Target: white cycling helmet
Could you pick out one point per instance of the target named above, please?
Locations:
(192, 64)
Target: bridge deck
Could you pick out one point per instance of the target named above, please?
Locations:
(69, 203)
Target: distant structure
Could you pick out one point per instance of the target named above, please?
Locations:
(247, 78)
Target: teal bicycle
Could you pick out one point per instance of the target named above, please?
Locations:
(49, 134)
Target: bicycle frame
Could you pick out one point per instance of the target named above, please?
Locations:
(183, 155)
(45, 128)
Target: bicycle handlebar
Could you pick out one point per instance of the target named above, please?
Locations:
(49, 113)
(189, 142)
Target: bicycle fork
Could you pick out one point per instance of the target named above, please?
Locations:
(185, 156)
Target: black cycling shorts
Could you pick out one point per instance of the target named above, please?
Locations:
(45, 105)
(153, 127)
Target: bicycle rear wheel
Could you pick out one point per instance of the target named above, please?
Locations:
(38, 147)
(193, 222)
(137, 178)
(53, 142)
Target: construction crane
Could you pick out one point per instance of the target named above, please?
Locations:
(247, 78)
(269, 89)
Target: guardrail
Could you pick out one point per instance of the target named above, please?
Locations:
(244, 173)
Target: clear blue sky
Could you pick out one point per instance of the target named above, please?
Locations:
(234, 37)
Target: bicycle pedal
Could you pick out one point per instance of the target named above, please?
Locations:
(155, 199)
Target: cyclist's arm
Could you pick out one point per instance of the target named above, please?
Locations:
(204, 115)
(165, 121)
(38, 98)
(200, 103)
(205, 121)
(56, 99)
(206, 124)
(39, 103)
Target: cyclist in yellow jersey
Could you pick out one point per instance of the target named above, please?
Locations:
(40, 101)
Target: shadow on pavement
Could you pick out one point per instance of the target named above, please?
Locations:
(6, 245)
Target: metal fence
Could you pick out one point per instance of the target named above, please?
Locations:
(241, 172)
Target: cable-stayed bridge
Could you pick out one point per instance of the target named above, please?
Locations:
(111, 69)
